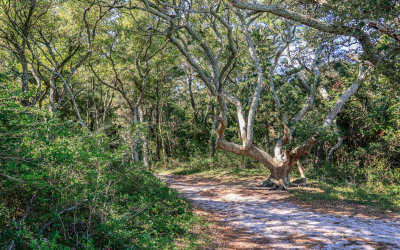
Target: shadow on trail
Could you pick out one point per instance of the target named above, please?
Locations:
(286, 224)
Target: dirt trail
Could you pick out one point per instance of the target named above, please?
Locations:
(279, 223)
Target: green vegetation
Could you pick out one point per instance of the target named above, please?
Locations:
(96, 95)
(62, 186)
(384, 198)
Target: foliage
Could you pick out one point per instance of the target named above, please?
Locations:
(94, 95)
(48, 165)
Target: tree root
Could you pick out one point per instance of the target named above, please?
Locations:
(268, 183)
(276, 184)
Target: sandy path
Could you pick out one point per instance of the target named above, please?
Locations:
(283, 224)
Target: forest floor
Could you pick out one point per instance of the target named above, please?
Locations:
(245, 215)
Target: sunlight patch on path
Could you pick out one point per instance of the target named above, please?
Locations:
(286, 224)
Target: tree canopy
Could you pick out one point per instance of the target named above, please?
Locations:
(91, 89)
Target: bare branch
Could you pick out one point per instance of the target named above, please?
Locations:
(356, 32)
(386, 29)
(257, 91)
(74, 207)
(345, 96)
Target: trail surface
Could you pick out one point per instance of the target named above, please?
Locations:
(278, 223)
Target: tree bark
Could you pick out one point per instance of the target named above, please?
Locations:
(135, 153)
(301, 171)
(143, 138)
(337, 145)
(107, 104)
(212, 133)
(164, 150)
(157, 121)
(279, 178)
(190, 80)
(318, 157)
(25, 71)
(52, 94)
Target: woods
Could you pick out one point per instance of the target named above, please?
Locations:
(96, 95)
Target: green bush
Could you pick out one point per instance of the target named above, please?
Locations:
(58, 174)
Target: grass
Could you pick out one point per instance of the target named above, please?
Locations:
(219, 172)
(384, 198)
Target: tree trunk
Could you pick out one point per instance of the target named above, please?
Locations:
(135, 153)
(212, 133)
(52, 96)
(25, 73)
(164, 150)
(157, 122)
(318, 157)
(159, 119)
(301, 171)
(157, 137)
(279, 178)
(143, 138)
(192, 99)
(266, 136)
(107, 105)
(168, 140)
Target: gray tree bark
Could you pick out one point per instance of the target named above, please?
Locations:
(143, 138)
(216, 71)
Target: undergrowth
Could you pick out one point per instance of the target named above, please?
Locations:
(62, 187)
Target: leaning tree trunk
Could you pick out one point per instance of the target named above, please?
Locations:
(301, 171)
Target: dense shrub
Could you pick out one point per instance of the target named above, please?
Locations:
(62, 186)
